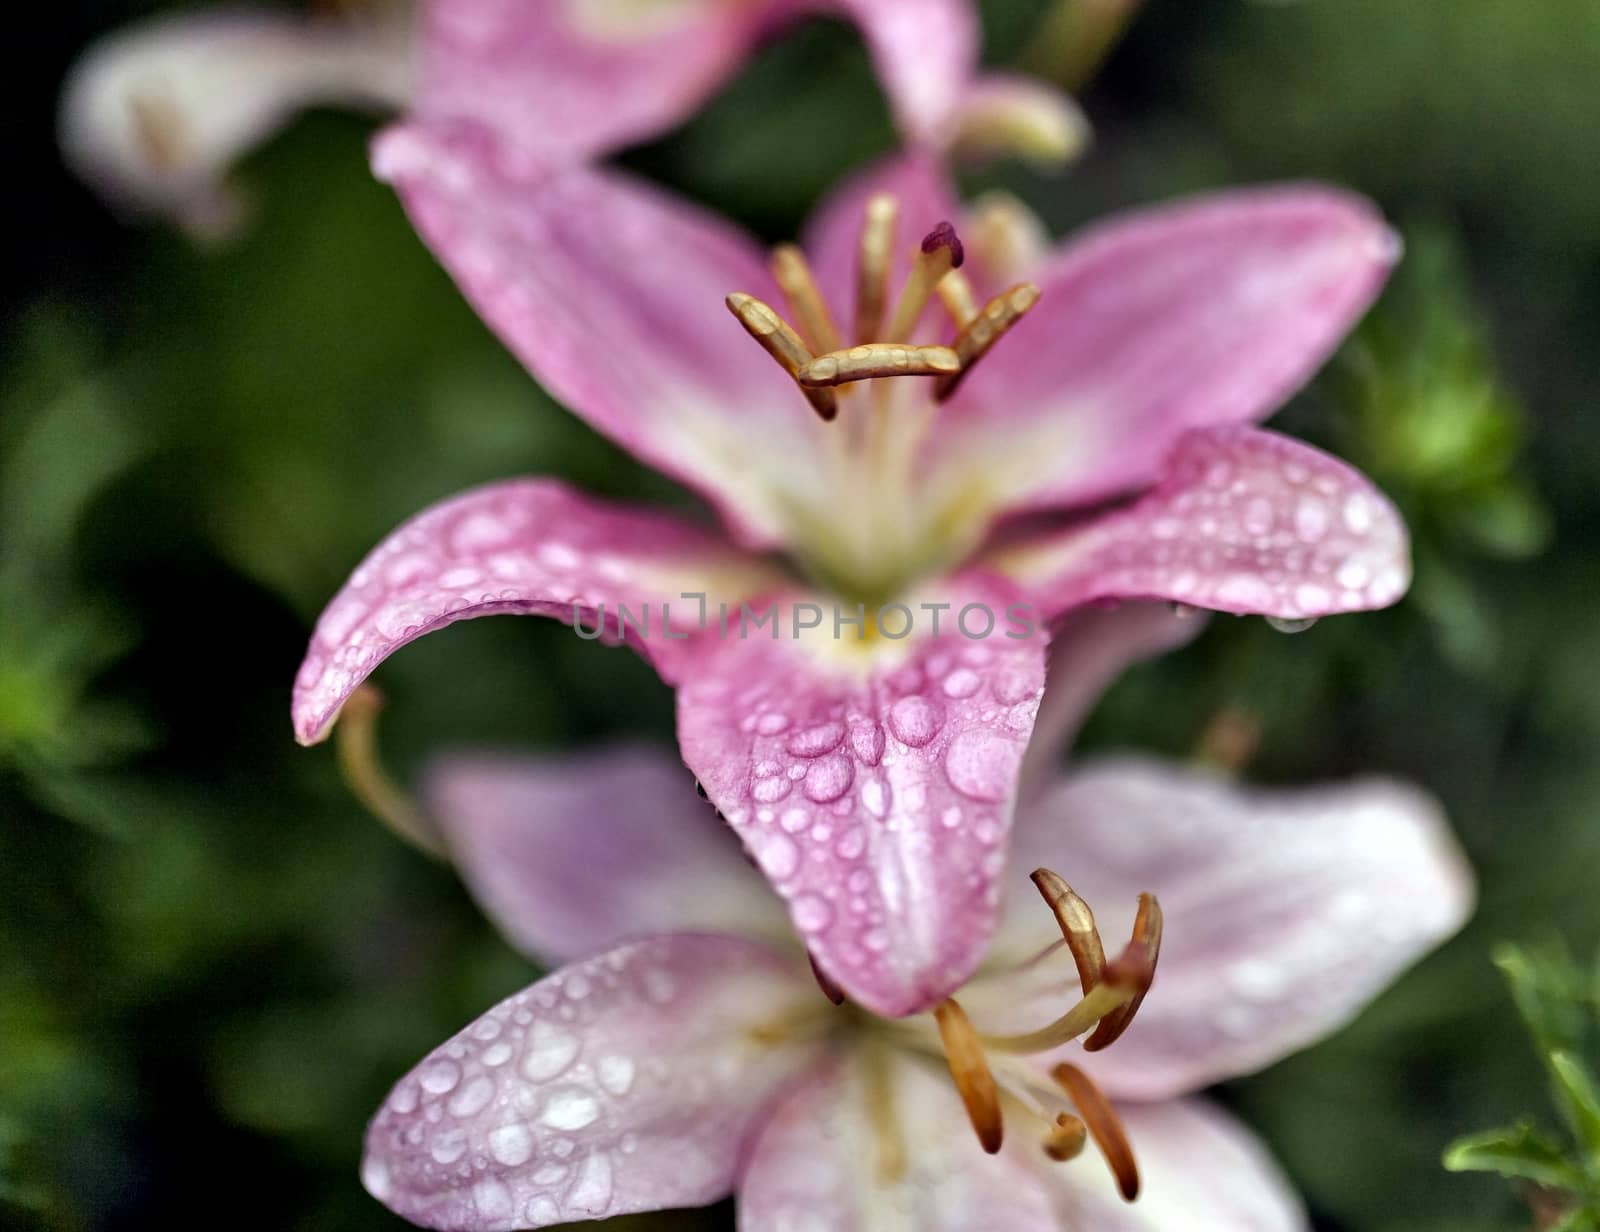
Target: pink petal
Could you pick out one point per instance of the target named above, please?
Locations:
(924, 50)
(1245, 521)
(570, 855)
(874, 787)
(1204, 313)
(833, 235)
(816, 1164)
(1200, 1170)
(155, 115)
(629, 1082)
(561, 82)
(523, 547)
(1286, 911)
(564, 81)
(1089, 648)
(612, 293)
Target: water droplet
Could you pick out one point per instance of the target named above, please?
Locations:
(951, 817)
(449, 1146)
(982, 764)
(472, 1098)
(550, 1050)
(875, 795)
(828, 779)
(914, 720)
(511, 1144)
(815, 741)
(851, 844)
(375, 1176)
(771, 790)
(493, 1200)
(1287, 624)
(779, 856)
(591, 1192)
(570, 1108)
(963, 682)
(616, 1074)
(771, 723)
(1357, 513)
(811, 913)
(659, 985)
(440, 1076)
(551, 1174)
(576, 986)
(867, 739)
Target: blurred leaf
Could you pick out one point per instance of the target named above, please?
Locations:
(1549, 993)
(1576, 1087)
(1518, 1152)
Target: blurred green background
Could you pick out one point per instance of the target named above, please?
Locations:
(213, 963)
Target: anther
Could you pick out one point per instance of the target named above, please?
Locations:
(939, 254)
(782, 343)
(877, 359)
(1103, 1125)
(970, 1070)
(872, 270)
(1066, 1138)
(1077, 926)
(1135, 966)
(987, 328)
(792, 273)
(959, 301)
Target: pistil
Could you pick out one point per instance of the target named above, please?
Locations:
(872, 267)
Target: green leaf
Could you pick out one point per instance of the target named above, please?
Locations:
(1549, 993)
(1519, 1151)
(1581, 1102)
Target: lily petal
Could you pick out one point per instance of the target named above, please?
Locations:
(565, 79)
(569, 855)
(1089, 648)
(1245, 521)
(851, 1152)
(873, 783)
(629, 1082)
(612, 293)
(1204, 313)
(1201, 1170)
(523, 547)
(1286, 911)
(154, 116)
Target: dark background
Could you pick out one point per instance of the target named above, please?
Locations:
(213, 963)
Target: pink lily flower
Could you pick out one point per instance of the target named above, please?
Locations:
(155, 116)
(690, 1054)
(870, 767)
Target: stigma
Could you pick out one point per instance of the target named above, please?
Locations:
(814, 353)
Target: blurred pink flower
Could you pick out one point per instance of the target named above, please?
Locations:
(691, 1055)
(155, 116)
(872, 776)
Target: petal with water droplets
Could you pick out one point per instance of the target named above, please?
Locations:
(873, 783)
(1244, 521)
(629, 1082)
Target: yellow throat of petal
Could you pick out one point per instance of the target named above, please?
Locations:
(876, 530)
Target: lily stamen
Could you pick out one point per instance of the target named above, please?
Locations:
(1077, 926)
(963, 1049)
(1103, 1125)
(780, 341)
(876, 359)
(939, 254)
(955, 291)
(987, 328)
(1067, 1138)
(872, 267)
(1136, 963)
(792, 272)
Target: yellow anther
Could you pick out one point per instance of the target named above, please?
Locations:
(861, 363)
(1066, 1138)
(959, 301)
(782, 343)
(987, 328)
(970, 1070)
(1103, 1125)
(1077, 926)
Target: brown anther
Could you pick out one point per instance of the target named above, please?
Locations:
(987, 328)
(875, 359)
(830, 990)
(970, 1070)
(1103, 1125)
(1135, 967)
(939, 254)
(792, 272)
(959, 301)
(1066, 1138)
(872, 270)
(783, 344)
(1077, 926)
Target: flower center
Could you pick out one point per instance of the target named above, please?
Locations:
(877, 529)
(987, 1069)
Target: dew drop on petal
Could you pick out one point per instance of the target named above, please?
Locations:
(591, 1192)
(811, 913)
(511, 1144)
(570, 1108)
(867, 739)
(828, 779)
(616, 1074)
(963, 682)
(982, 764)
(550, 1050)
(493, 1200)
(914, 720)
(472, 1098)
(815, 741)
(1289, 624)
(438, 1077)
